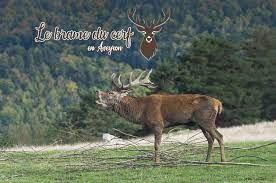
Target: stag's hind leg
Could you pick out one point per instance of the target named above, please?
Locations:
(210, 140)
(206, 119)
(218, 136)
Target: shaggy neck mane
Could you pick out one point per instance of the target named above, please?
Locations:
(128, 108)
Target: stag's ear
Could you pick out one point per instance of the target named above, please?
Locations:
(156, 29)
(141, 29)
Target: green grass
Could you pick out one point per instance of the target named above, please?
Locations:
(44, 167)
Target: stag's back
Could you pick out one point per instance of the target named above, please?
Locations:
(179, 108)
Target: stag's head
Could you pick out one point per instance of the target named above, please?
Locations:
(108, 99)
(148, 45)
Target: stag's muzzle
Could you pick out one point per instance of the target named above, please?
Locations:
(148, 39)
(99, 100)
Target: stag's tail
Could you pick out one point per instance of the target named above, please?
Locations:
(220, 108)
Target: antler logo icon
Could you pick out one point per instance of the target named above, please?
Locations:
(148, 45)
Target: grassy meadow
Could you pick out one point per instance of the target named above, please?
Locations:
(133, 164)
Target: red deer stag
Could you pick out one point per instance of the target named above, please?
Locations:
(148, 45)
(158, 111)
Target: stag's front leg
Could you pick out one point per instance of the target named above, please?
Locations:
(158, 136)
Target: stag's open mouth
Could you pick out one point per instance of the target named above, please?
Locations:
(148, 39)
(101, 103)
(99, 100)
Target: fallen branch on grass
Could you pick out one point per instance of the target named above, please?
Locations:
(249, 148)
(129, 153)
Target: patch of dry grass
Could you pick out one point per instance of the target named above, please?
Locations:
(265, 131)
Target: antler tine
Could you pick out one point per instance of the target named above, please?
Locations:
(140, 75)
(148, 75)
(119, 81)
(144, 21)
(155, 23)
(117, 85)
(135, 82)
(133, 20)
(132, 12)
(137, 19)
(164, 20)
(113, 75)
(148, 82)
(130, 77)
(163, 12)
(144, 82)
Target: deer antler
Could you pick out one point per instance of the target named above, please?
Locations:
(119, 84)
(137, 82)
(161, 22)
(136, 21)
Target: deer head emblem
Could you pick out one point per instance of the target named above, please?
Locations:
(148, 45)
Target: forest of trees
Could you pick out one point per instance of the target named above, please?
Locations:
(225, 49)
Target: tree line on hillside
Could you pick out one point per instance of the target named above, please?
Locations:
(47, 89)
